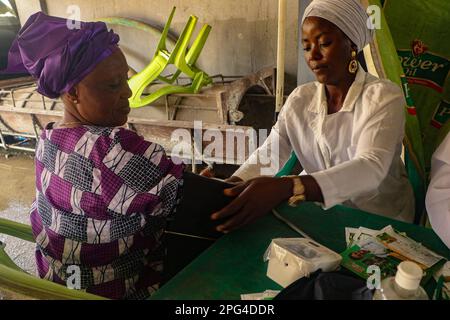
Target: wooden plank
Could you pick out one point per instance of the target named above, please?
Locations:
(9, 83)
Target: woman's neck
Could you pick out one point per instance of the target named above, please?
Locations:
(70, 120)
(336, 93)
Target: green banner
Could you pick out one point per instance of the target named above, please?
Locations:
(425, 69)
(421, 33)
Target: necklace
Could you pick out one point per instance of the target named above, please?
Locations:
(68, 123)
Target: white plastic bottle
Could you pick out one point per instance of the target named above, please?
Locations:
(404, 286)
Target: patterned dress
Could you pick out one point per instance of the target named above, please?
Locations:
(103, 196)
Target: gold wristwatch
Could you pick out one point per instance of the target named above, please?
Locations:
(298, 191)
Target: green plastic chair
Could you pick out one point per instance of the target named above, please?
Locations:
(185, 63)
(15, 280)
(288, 166)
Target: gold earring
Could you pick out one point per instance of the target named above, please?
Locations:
(353, 65)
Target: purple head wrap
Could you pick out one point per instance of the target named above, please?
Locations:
(58, 56)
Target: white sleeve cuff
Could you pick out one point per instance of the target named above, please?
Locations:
(247, 172)
(329, 190)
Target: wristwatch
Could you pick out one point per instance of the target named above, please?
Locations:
(298, 191)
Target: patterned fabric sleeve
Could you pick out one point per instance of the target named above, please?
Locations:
(147, 172)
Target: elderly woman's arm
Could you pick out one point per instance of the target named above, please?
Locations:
(146, 173)
(438, 195)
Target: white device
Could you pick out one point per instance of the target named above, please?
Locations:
(293, 258)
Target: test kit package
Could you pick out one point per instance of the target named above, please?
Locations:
(293, 258)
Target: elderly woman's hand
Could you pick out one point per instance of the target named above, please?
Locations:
(208, 172)
(254, 198)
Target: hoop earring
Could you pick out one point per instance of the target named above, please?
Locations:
(353, 65)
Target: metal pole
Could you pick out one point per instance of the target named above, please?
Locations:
(304, 74)
(281, 54)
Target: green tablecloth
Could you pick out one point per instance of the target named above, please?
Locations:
(234, 264)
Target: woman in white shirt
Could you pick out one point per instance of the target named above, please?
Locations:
(438, 194)
(346, 130)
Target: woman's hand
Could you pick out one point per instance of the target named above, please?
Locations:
(254, 198)
(208, 172)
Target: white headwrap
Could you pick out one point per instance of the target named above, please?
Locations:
(347, 15)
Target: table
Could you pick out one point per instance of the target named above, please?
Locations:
(234, 264)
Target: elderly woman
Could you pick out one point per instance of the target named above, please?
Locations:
(103, 193)
(346, 130)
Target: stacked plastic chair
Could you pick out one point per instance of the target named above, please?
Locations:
(181, 57)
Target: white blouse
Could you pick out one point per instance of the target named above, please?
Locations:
(354, 154)
(438, 194)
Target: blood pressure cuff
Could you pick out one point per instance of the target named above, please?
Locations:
(327, 286)
(191, 230)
